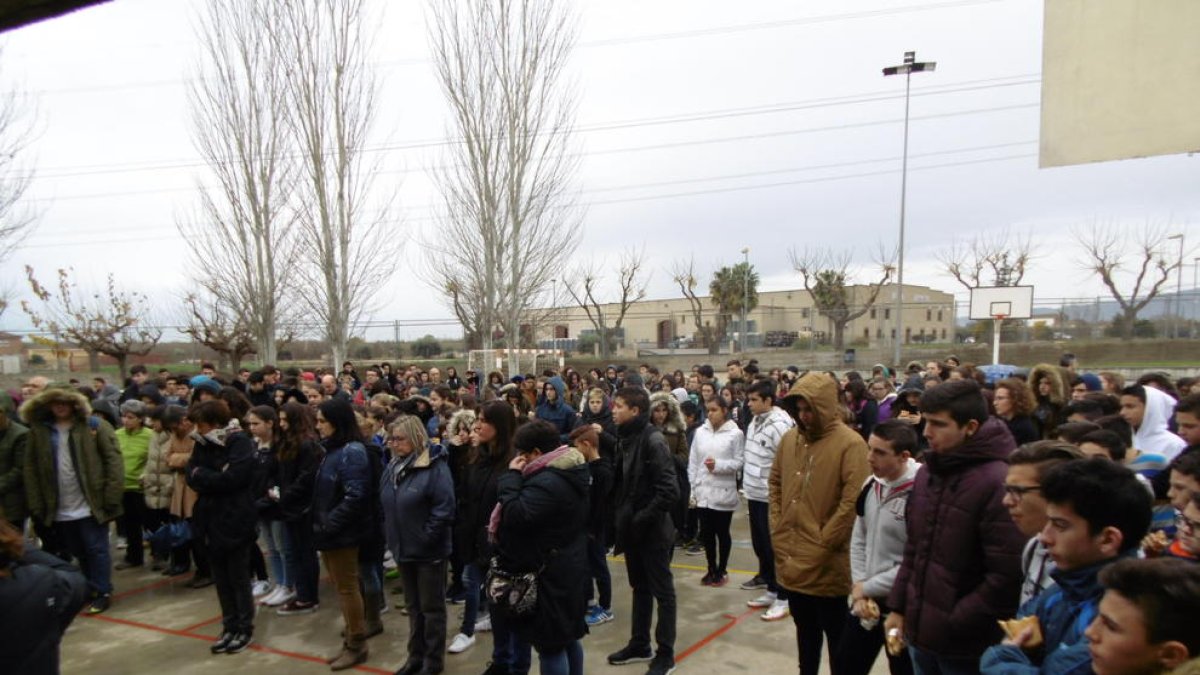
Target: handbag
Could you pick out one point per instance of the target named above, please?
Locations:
(170, 536)
(516, 593)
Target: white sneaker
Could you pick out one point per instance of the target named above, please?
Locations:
(461, 643)
(483, 624)
(779, 610)
(282, 596)
(260, 588)
(270, 597)
(763, 601)
(122, 544)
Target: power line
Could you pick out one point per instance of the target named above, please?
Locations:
(607, 42)
(808, 104)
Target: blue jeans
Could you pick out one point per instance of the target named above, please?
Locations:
(565, 661)
(507, 648)
(928, 663)
(87, 541)
(279, 550)
(472, 580)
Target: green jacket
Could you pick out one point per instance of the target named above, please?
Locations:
(13, 442)
(93, 446)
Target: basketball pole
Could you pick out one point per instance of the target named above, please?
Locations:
(997, 321)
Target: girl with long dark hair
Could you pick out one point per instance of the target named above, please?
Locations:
(291, 499)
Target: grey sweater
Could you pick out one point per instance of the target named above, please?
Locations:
(877, 543)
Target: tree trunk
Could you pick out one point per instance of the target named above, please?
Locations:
(235, 362)
(1128, 319)
(94, 361)
(605, 349)
(123, 366)
(839, 335)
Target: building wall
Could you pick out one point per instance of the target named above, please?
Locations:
(926, 312)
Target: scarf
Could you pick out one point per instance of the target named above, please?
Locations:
(529, 469)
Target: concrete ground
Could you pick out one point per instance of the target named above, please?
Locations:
(158, 625)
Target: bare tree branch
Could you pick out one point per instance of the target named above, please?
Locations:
(683, 273)
(828, 278)
(246, 228)
(212, 324)
(17, 121)
(632, 280)
(999, 259)
(509, 207)
(1108, 251)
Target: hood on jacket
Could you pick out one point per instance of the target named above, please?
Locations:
(110, 392)
(1058, 384)
(504, 390)
(675, 422)
(993, 441)
(821, 393)
(37, 409)
(913, 383)
(560, 388)
(461, 418)
(602, 418)
(1153, 435)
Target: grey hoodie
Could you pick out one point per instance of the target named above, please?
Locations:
(877, 543)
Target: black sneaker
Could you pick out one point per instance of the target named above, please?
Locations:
(239, 643)
(222, 643)
(200, 582)
(754, 584)
(630, 654)
(661, 665)
(100, 604)
(492, 669)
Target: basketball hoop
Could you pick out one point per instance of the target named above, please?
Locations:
(999, 317)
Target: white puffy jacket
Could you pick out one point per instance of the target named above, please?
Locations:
(717, 489)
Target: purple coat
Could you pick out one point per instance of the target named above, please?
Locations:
(962, 563)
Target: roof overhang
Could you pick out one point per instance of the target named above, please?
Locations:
(17, 13)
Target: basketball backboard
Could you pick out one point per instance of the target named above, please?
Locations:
(1014, 302)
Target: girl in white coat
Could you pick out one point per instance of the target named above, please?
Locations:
(713, 465)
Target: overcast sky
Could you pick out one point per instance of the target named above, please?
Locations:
(709, 126)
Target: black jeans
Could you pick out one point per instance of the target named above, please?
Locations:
(714, 535)
(129, 525)
(598, 567)
(425, 590)
(307, 569)
(691, 525)
(649, 569)
(858, 648)
(196, 550)
(816, 617)
(760, 539)
(231, 572)
(152, 519)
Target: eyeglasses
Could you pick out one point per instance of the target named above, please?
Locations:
(396, 439)
(1019, 491)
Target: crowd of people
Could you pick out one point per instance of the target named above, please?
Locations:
(1043, 522)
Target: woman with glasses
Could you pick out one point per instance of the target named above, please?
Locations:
(342, 519)
(417, 491)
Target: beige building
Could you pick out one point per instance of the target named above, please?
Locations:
(781, 316)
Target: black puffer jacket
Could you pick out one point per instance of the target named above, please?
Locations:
(646, 488)
(342, 498)
(476, 500)
(543, 527)
(295, 477)
(962, 563)
(221, 473)
(37, 603)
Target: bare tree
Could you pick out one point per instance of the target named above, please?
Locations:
(16, 219)
(631, 288)
(828, 278)
(999, 259)
(114, 323)
(331, 92)
(212, 324)
(683, 273)
(246, 228)
(1109, 250)
(509, 208)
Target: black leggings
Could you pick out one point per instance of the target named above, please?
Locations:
(714, 535)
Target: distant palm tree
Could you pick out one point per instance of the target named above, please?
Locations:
(730, 287)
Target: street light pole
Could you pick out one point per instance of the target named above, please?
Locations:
(745, 292)
(906, 69)
(1178, 288)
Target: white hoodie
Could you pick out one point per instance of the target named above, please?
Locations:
(880, 533)
(1153, 435)
(717, 489)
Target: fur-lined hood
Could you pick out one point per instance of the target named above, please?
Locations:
(1059, 395)
(37, 409)
(675, 422)
(460, 419)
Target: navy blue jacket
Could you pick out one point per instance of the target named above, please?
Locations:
(418, 506)
(1064, 611)
(559, 413)
(341, 499)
